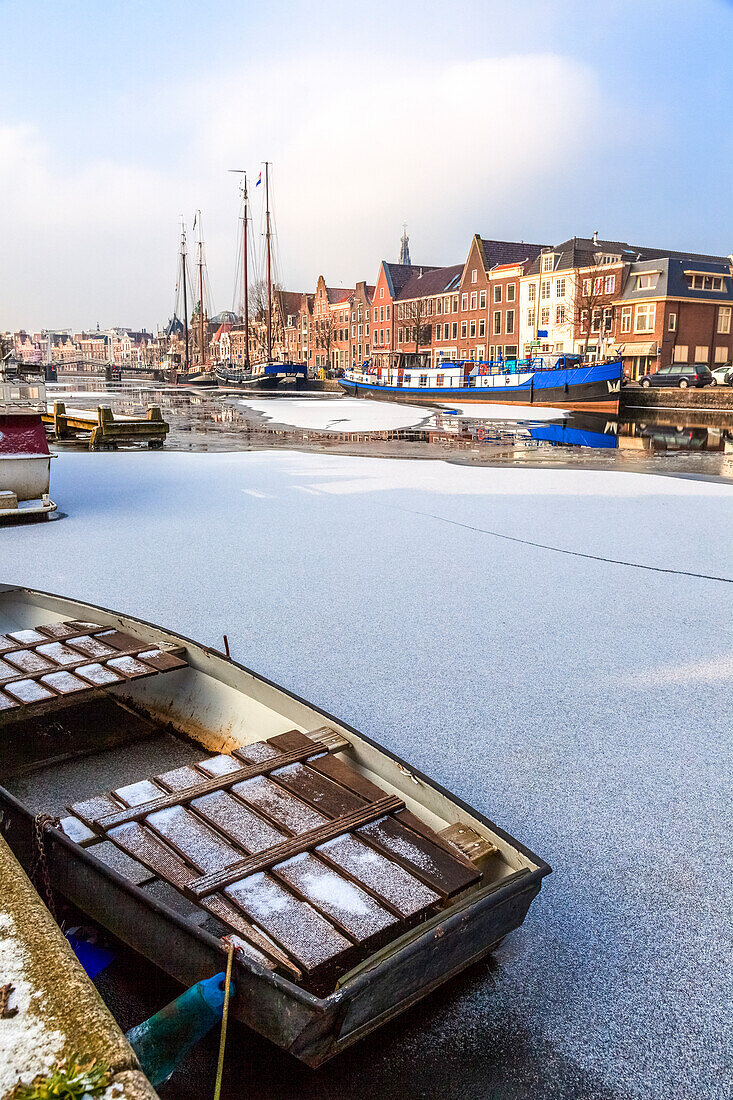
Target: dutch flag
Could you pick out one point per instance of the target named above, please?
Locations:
(259, 180)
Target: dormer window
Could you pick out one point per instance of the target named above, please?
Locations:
(548, 262)
(647, 281)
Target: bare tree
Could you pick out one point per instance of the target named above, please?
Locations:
(411, 316)
(324, 335)
(590, 308)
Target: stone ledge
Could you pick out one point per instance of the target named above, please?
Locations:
(59, 1012)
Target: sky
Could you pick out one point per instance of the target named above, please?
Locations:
(526, 120)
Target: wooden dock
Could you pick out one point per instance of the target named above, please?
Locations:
(106, 429)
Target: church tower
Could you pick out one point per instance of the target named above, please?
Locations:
(404, 246)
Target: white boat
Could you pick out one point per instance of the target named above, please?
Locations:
(25, 460)
(194, 804)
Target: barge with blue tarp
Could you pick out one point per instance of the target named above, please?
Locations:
(558, 381)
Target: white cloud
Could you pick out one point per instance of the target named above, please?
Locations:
(357, 147)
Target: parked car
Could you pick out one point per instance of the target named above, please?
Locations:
(723, 375)
(679, 374)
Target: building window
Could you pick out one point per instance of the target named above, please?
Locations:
(545, 288)
(497, 293)
(647, 281)
(463, 330)
(388, 311)
(509, 322)
(586, 287)
(560, 315)
(672, 322)
(724, 320)
(545, 315)
(454, 330)
(560, 288)
(511, 291)
(474, 276)
(497, 322)
(510, 351)
(381, 292)
(531, 292)
(464, 302)
(547, 262)
(473, 330)
(596, 321)
(610, 284)
(598, 285)
(482, 327)
(645, 317)
(584, 320)
(482, 300)
(474, 299)
(701, 353)
(721, 355)
(455, 303)
(626, 319)
(439, 305)
(530, 318)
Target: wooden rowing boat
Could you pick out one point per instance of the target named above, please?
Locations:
(192, 803)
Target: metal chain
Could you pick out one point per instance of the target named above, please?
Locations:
(40, 874)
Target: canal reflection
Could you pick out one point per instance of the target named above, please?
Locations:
(671, 441)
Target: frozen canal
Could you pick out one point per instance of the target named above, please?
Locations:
(471, 620)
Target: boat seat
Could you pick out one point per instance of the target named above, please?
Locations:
(304, 859)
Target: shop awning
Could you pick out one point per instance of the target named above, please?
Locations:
(631, 350)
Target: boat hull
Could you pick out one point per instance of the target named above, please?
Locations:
(592, 389)
(310, 1027)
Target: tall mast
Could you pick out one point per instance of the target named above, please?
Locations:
(185, 296)
(201, 294)
(246, 281)
(269, 261)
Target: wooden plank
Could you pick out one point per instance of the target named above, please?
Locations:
(59, 631)
(90, 808)
(278, 805)
(163, 662)
(473, 846)
(110, 855)
(225, 911)
(120, 640)
(179, 779)
(6, 643)
(237, 821)
(26, 637)
(219, 782)
(218, 765)
(352, 909)
(292, 739)
(97, 675)
(344, 773)
(88, 646)
(8, 672)
(210, 883)
(200, 845)
(6, 703)
(149, 850)
(299, 929)
(29, 692)
(129, 667)
(59, 653)
(256, 752)
(28, 661)
(317, 790)
(423, 859)
(77, 831)
(65, 683)
(387, 880)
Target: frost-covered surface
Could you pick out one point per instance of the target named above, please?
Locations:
(340, 414)
(583, 705)
(359, 414)
(27, 1045)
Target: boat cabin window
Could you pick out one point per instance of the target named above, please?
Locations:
(423, 379)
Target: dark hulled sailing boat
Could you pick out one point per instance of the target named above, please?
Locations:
(268, 371)
(192, 373)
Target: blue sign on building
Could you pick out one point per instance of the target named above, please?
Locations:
(542, 332)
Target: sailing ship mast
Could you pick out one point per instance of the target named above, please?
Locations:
(201, 293)
(246, 281)
(185, 297)
(268, 237)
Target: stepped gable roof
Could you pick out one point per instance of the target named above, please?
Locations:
(399, 274)
(672, 281)
(429, 281)
(508, 252)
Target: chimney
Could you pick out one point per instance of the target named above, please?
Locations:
(595, 236)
